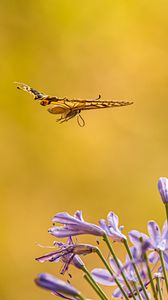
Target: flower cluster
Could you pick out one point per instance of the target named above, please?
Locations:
(142, 276)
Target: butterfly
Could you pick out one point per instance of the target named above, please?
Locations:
(69, 108)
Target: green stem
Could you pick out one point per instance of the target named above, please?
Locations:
(94, 285)
(81, 297)
(150, 277)
(111, 272)
(105, 237)
(159, 288)
(137, 291)
(166, 207)
(91, 283)
(163, 268)
(136, 270)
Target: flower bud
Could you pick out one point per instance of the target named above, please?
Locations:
(163, 189)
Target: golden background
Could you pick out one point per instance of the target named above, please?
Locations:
(79, 49)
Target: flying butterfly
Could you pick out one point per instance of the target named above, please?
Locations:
(69, 108)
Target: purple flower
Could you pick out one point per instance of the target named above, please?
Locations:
(112, 229)
(136, 236)
(68, 254)
(163, 189)
(156, 241)
(102, 276)
(56, 286)
(73, 226)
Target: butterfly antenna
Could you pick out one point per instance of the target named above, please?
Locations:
(98, 97)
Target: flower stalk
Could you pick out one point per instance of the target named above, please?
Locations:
(164, 269)
(93, 283)
(137, 291)
(159, 288)
(81, 297)
(136, 270)
(150, 277)
(166, 208)
(106, 239)
(111, 272)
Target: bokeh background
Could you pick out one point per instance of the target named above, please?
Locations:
(79, 49)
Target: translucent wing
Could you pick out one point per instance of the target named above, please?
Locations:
(93, 104)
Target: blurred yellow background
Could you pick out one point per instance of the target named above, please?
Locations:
(79, 49)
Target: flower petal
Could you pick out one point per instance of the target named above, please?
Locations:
(165, 231)
(54, 256)
(62, 232)
(135, 236)
(103, 276)
(54, 284)
(154, 233)
(163, 188)
(112, 230)
(113, 220)
(77, 262)
(65, 218)
(117, 293)
(78, 215)
(136, 254)
(153, 257)
(104, 226)
(114, 266)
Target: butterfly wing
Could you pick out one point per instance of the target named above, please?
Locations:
(78, 105)
(37, 95)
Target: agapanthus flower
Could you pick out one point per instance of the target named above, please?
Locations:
(112, 228)
(56, 286)
(68, 253)
(73, 225)
(163, 189)
(103, 276)
(157, 241)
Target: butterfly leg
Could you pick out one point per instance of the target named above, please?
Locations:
(69, 115)
(66, 113)
(59, 119)
(72, 114)
(80, 120)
